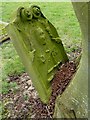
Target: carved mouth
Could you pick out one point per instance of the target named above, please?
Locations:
(37, 13)
(28, 15)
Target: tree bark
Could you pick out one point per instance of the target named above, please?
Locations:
(73, 103)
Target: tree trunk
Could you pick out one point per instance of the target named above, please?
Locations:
(73, 103)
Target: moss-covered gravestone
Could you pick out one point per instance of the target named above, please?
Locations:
(39, 46)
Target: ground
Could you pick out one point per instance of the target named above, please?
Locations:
(24, 103)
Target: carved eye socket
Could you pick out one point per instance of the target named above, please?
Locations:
(36, 11)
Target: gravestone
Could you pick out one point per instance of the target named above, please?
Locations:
(39, 47)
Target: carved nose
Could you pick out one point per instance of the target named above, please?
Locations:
(29, 14)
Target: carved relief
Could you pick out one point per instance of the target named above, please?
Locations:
(38, 40)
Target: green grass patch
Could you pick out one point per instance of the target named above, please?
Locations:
(11, 62)
(12, 65)
(8, 86)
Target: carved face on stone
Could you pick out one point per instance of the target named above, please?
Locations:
(26, 14)
(29, 13)
(36, 11)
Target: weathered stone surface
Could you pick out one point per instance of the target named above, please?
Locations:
(39, 46)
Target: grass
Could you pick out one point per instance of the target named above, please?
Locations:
(11, 61)
(8, 86)
(12, 65)
(61, 15)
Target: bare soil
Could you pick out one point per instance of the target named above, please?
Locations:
(24, 103)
